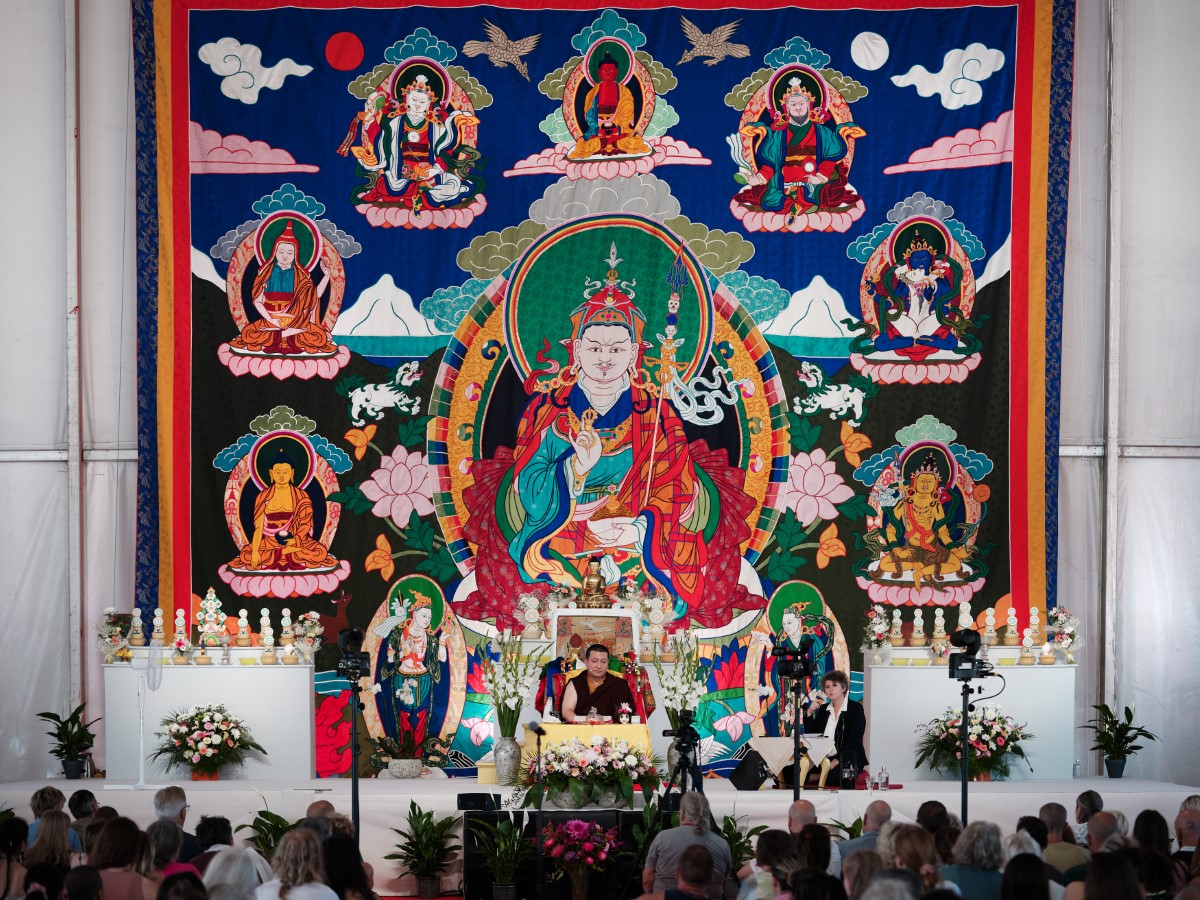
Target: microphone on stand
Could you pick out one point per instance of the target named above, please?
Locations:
(536, 727)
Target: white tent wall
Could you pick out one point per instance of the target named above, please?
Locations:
(1157, 502)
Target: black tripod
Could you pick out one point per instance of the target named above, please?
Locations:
(797, 686)
(356, 707)
(963, 728)
(686, 768)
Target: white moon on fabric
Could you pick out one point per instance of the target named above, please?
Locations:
(869, 50)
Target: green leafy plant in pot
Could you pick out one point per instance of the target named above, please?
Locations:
(1116, 737)
(505, 849)
(425, 846)
(73, 739)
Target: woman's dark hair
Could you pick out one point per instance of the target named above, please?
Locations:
(814, 847)
(213, 830)
(14, 832)
(774, 845)
(1153, 870)
(182, 886)
(83, 883)
(944, 840)
(1150, 831)
(837, 676)
(1035, 828)
(344, 866)
(932, 816)
(117, 845)
(1111, 877)
(1025, 879)
(167, 838)
(44, 882)
(805, 884)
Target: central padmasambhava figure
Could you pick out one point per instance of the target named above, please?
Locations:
(602, 468)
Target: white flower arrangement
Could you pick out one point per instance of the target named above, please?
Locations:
(683, 687)
(510, 677)
(877, 629)
(204, 738)
(1063, 631)
(307, 632)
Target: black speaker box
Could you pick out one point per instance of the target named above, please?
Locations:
(750, 773)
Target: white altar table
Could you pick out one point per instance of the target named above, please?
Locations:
(275, 702)
(899, 698)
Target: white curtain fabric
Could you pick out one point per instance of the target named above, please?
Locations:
(1158, 623)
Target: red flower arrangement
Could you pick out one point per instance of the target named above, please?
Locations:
(576, 847)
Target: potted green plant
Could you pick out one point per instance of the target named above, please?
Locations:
(426, 845)
(1116, 738)
(505, 850)
(400, 756)
(741, 841)
(268, 829)
(73, 739)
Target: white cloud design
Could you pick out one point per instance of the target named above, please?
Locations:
(242, 73)
(958, 81)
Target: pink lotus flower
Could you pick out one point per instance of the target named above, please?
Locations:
(733, 724)
(481, 730)
(402, 484)
(813, 488)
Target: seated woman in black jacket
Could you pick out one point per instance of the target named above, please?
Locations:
(843, 720)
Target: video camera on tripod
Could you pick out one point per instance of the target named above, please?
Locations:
(355, 662)
(967, 665)
(686, 736)
(794, 664)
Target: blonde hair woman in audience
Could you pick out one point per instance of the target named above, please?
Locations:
(299, 870)
(859, 870)
(52, 846)
(237, 872)
(884, 846)
(913, 850)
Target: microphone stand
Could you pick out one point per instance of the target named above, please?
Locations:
(964, 775)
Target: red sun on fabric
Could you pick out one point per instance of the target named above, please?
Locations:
(344, 51)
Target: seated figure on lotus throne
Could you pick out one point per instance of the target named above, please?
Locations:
(918, 299)
(602, 466)
(609, 118)
(800, 156)
(288, 303)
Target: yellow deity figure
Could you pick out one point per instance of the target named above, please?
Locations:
(917, 529)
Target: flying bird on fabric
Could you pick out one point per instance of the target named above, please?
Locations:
(714, 45)
(502, 51)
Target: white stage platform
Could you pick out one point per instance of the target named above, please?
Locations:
(384, 803)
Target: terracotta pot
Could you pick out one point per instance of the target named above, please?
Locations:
(205, 776)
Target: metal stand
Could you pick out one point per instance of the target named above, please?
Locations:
(541, 799)
(355, 708)
(798, 748)
(962, 746)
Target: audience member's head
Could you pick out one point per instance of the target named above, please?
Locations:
(1110, 877)
(298, 860)
(320, 809)
(895, 884)
(801, 813)
(83, 883)
(932, 815)
(214, 831)
(1035, 828)
(167, 838)
(1117, 842)
(341, 824)
(803, 883)
(1054, 817)
(1018, 843)
(885, 846)
(1150, 831)
(318, 825)
(170, 804)
(82, 804)
(52, 845)
(105, 814)
(44, 881)
(13, 833)
(46, 799)
(1192, 801)
(859, 870)
(1122, 822)
(775, 846)
(1100, 827)
(695, 868)
(89, 836)
(1025, 877)
(344, 871)
(695, 811)
(117, 845)
(814, 847)
(944, 841)
(1087, 805)
(979, 847)
(238, 871)
(914, 850)
(1153, 870)
(182, 886)
(1187, 827)
(876, 814)
(143, 859)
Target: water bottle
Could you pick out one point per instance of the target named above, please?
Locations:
(884, 779)
(1077, 770)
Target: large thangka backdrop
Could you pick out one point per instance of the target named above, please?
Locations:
(759, 308)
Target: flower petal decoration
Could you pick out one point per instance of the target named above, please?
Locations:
(830, 546)
(481, 730)
(403, 483)
(733, 724)
(854, 443)
(381, 558)
(358, 438)
(813, 488)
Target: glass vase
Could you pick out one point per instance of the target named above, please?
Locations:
(579, 876)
